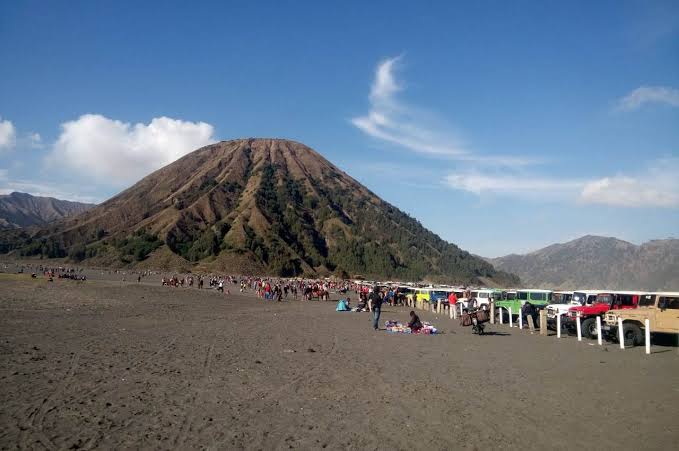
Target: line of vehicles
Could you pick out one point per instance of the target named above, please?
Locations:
(633, 307)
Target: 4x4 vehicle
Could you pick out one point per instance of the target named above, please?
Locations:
(539, 298)
(403, 293)
(562, 301)
(612, 300)
(661, 309)
(432, 295)
(482, 297)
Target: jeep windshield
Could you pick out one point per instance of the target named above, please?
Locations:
(580, 298)
(561, 298)
(606, 299)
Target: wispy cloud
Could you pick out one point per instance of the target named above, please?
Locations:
(417, 129)
(656, 186)
(514, 185)
(649, 94)
(393, 121)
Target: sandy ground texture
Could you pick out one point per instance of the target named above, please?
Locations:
(105, 364)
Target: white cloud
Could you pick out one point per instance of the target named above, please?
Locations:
(657, 186)
(7, 135)
(416, 129)
(653, 187)
(34, 141)
(395, 122)
(516, 185)
(649, 94)
(118, 153)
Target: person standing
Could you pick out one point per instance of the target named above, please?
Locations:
(452, 300)
(375, 305)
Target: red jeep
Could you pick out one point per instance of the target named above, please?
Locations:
(604, 302)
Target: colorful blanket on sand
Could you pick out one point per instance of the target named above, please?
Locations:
(395, 327)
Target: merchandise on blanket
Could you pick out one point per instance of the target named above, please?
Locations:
(394, 326)
(427, 329)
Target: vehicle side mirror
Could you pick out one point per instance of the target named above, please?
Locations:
(662, 305)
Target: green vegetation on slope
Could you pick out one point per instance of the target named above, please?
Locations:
(273, 206)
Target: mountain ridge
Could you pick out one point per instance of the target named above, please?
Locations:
(597, 262)
(24, 210)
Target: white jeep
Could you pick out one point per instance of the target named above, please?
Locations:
(562, 301)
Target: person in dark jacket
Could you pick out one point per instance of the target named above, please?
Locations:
(415, 324)
(527, 310)
(375, 305)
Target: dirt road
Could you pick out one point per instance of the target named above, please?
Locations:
(110, 365)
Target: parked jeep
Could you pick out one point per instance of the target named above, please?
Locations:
(562, 301)
(613, 300)
(539, 299)
(661, 309)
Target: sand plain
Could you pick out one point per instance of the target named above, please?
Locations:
(112, 364)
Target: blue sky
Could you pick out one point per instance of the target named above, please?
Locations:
(501, 126)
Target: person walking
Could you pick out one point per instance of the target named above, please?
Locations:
(375, 305)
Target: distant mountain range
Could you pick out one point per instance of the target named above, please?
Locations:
(257, 206)
(24, 210)
(597, 262)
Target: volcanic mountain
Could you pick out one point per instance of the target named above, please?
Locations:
(259, 206)
(598, 262)
(24, 210)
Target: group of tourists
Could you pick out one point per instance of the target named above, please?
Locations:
(374, 298)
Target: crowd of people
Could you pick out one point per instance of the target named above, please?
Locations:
(266, 288)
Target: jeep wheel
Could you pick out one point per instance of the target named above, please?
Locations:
(632, 335)
(589, 328)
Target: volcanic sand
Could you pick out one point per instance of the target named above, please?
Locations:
(105, 364)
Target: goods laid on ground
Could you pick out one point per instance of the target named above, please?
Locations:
(396, 327)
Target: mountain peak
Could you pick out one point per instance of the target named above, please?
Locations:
(268, 206)
(598, 262)
(22, 209)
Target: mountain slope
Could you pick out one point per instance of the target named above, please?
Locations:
(260, 206)
(598, 262)
(24, 210)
